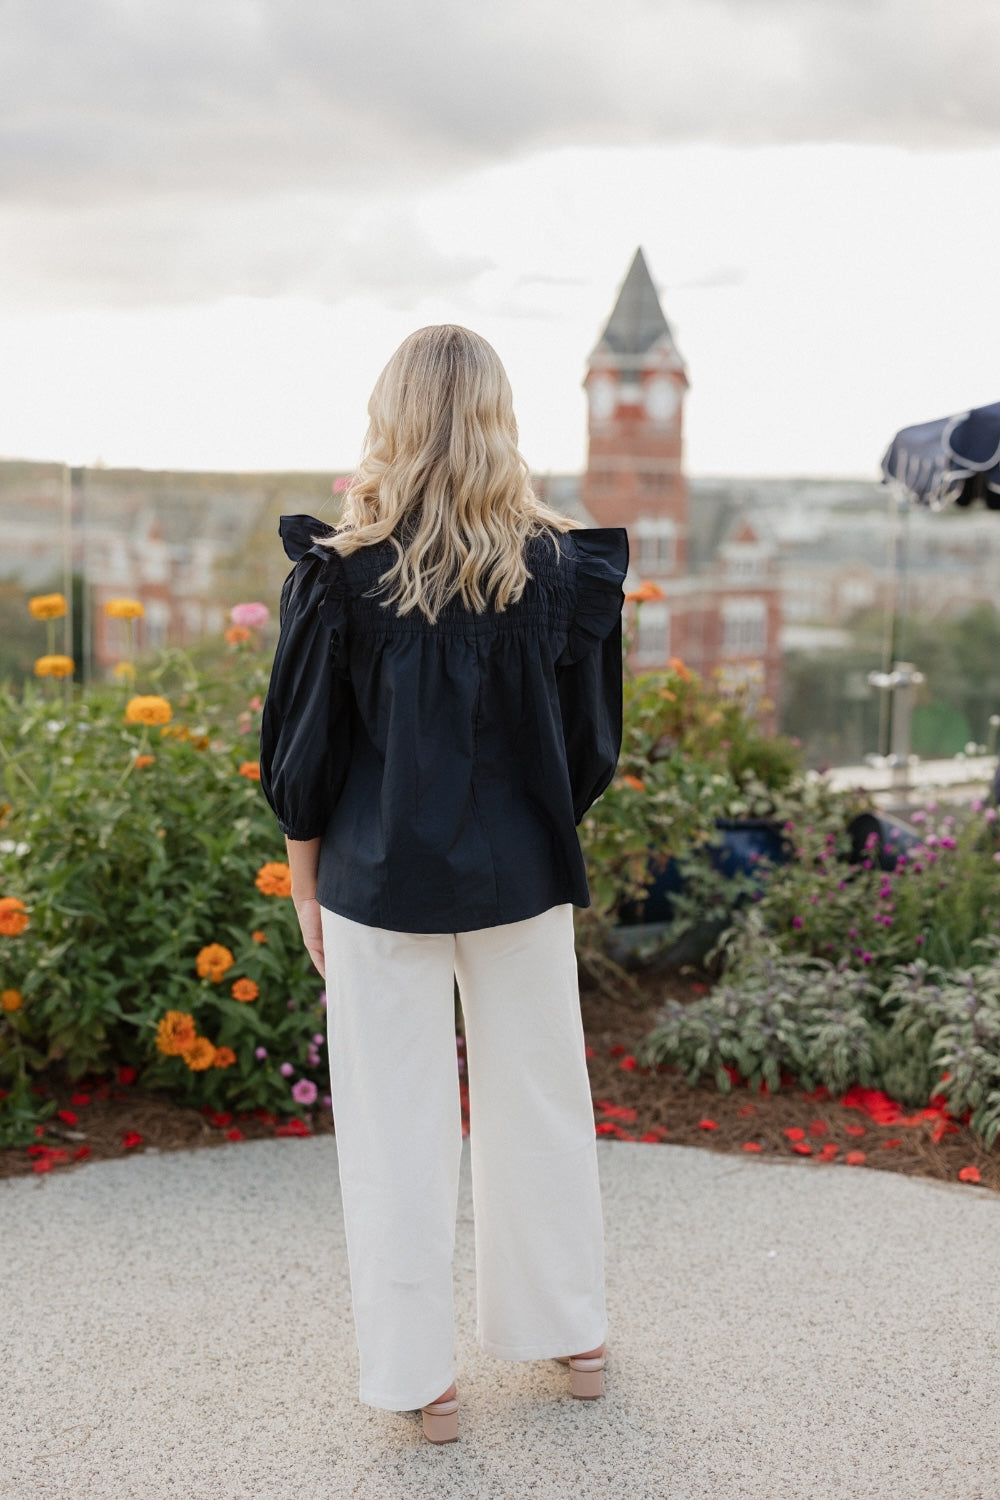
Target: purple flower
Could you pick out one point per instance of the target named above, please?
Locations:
(312, 1058)
(305, 1091)
(990, 815)
(852, 932)
(286, 1070)
(326, 1101)
(920, 939)
(318, 1039)
(796, 922)
(260, 1053)
(322, 998)
(866, 958)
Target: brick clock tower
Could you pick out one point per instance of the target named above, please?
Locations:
(720, 611)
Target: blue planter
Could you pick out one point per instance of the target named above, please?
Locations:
(745, 843)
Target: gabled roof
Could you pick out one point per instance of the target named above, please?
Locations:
(637, 321)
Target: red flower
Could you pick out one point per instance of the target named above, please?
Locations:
(590, 1052)
(818, 1127)
(873, 1102)
(80, 1099)
(127, 1075)
(855, 1130)
(606, 1127)
(219, 1120)
(747, 1109)
(896, 1141)
(708, 1124)
(752, 1146)
(794, 1133)
(829, 1150)
(293, 1127)
(628, 1063)
(802, 1147)
(67, 1116)
(81, 1153)
(44, 1164)
(651, 1138)
(235, 1134)
(943, 1128)
(969, 1174)
(620, 1112)
(618, 1051)
(734, 1074)
(131, 1138)
(855, 1158)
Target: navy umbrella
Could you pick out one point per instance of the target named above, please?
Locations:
(953, 460)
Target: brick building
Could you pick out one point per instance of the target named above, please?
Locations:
(714, 562)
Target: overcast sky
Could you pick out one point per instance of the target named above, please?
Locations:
(218, 220)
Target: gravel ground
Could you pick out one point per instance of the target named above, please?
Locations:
(179, 1325)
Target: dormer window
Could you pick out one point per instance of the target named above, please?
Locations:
(657, 544)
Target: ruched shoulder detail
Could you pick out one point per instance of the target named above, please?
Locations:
(601, 557)
(297, 533)
(318, 582)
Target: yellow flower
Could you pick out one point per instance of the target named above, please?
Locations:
(124, 671)
(148, 710)
(13, 917)
(124, 609)
(224, 1057)
(214, 962)
(245, 990)
(175, 1034)
(11, 1000)
(274, 879)
(200, 1055)
(48, 606)
(54, 666)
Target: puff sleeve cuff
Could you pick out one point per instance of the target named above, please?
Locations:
(589, 669)
(305, 726)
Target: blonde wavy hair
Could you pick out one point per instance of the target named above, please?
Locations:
(441, 477)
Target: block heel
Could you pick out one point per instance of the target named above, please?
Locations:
(441, 1421)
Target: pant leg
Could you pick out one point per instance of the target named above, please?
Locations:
(536, 1194)
(394, 1083)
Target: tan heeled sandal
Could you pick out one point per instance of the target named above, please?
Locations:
(441, 1421)
(586, 1376)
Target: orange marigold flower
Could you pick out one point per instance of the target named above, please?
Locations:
(244, 989)
(54, 666)
(236, 635)
(258, 936)
(676, 665)
(141, 761)
(148, 709)
(13, 916)
(274, 879)
(11, 1000)
(175, 1033)
(47, 606)
(634, 783)
(199, 1055)
(214, 962)
(124, 609)
(646, 593)
(251, 770)
(224, 1057)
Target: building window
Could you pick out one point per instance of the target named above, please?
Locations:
(657, 539)
(652, 640)
(156, 623)
(744, 627)
(745, 563)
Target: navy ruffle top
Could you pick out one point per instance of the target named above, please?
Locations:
(445, 766)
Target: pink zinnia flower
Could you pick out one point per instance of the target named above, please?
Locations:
(250, 615)
(305, 1091)
(286, 1070)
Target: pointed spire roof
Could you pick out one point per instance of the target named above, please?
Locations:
(637, 322)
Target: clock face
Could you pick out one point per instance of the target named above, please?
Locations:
(602, 397)
(662, 398)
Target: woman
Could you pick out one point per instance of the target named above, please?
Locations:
(444, 706)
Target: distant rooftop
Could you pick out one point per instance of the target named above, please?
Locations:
(637, 321)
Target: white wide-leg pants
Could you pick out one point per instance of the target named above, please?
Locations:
(536, 1198)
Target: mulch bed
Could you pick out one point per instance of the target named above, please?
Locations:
(110, 1119)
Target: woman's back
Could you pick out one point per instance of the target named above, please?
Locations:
(466, 747)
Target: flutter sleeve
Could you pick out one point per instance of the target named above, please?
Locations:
(589, 669)
(305, 728)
